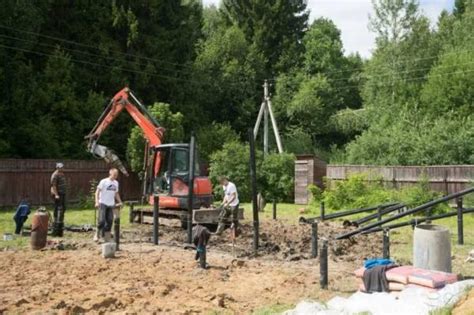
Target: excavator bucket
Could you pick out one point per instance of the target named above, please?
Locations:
(108, 155)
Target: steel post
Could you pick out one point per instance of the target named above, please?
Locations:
(323, 265)
(253, 177)
(156, 218)
(314, 239)
(190, 190)
(386, 243)
(459, 204)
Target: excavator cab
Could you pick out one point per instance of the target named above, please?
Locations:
(171, 181)
(174, 168)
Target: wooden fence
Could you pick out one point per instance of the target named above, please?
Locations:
(443, 178)
(19, 178)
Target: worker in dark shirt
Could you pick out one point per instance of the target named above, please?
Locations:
(58, 193)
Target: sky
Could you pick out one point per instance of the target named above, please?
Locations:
(352, 17)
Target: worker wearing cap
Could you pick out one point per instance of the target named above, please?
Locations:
(58, 193)
(230, 204)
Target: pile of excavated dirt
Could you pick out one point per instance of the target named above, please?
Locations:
(278, 240)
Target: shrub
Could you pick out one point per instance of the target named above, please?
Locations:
(233, 161)
(360, 192)
(278, 176)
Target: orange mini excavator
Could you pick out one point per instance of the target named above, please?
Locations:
(166, 165)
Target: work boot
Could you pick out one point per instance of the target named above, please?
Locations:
(60, 229)
(97, 235)
(55, 230)
(107, 237)
(220, 229)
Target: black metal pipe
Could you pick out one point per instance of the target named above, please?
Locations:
(203, 258)
(383, 212)
(323, 210)
(408, 212)
(253, 178)
(340, 214)
(274, 210)
(314, 239)
(117, 233)
(190, 189)
(323, 265)
(414, 222)
(386, 243)
(156, 218)
(131, 214)
(460, 221)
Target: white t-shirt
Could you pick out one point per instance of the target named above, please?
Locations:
(108, 188)
(228, 191)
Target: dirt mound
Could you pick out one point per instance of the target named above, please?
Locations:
(278, 240)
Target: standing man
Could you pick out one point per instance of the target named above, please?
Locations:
(230, 204)
(107, 198)
(58, 193)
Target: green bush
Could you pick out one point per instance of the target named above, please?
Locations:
(357, 191)
(275, 173)
(233, 161)
(278, 177)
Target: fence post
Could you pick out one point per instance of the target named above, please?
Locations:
(323, 265)
(190, 190)
(322, 210)
(156, 218)
(253, 178)
(379, 213)
(131, 214)
(459, 204)
(314, 239)
(117, 231)
(274, 210)
(386, 243)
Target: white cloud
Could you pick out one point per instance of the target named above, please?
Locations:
(352, 17)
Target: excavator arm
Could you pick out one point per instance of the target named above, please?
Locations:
(125, 99)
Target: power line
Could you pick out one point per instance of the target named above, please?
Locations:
(81, 51)
(90, 46)
(99, 65)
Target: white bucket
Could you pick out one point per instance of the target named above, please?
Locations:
(108, 250)
(7, 237)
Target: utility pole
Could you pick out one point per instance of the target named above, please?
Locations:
(265, 111)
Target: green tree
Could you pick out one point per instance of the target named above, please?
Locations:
(274, 27)
(211, 138)
(225, 81)
(393, 19)
(174, 133)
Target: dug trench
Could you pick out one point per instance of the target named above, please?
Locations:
(144, 278)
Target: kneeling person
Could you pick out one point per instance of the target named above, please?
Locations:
(107, 198)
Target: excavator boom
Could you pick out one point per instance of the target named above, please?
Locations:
(124, 99)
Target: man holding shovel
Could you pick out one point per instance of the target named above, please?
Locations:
(107, 198)
(229, 206)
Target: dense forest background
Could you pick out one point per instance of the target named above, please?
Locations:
(202, 68)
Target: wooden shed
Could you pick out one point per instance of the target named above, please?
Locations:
(309, 169)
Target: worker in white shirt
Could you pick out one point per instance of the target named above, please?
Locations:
(230, 204)
(107, 198)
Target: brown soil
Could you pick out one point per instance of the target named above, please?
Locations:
(165, 278)
(466, 305)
